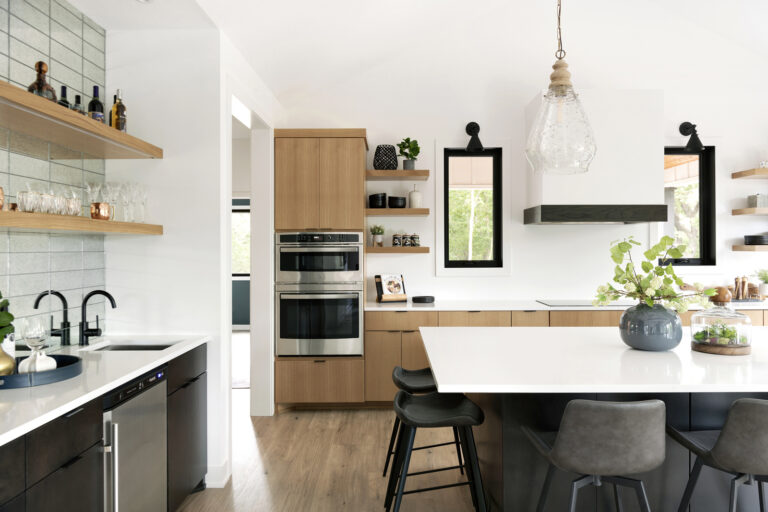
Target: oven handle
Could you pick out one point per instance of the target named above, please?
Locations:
(321, 249)
(297, 296)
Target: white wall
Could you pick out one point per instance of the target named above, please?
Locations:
(455, 76)
(241, 167)
(172, 283)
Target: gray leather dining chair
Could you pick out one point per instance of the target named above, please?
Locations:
(741, 448)
(602, 441)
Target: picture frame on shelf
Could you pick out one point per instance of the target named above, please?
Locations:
(390, 288)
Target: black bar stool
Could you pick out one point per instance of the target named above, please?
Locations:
(416, 382)
(602, 440)
(741, 448)
(435, 410)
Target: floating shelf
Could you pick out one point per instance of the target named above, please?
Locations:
(750, 211)
(43, 222)
(378, 175)
(753, 174)
(750, 248)
(38, 117)
(397, 250)
(396, 211)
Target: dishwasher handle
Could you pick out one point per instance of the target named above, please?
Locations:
(114, 451)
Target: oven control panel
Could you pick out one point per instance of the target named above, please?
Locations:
(319, 238)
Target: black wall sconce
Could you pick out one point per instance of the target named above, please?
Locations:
(694, 143)
(474, 141)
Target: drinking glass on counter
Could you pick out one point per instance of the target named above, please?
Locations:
(33, 331)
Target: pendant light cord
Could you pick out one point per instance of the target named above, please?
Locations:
(560, 53)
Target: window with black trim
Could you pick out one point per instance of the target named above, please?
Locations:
(689, 192)
(472, 202)
(241, 237)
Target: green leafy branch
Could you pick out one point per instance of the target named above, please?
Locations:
(652, 283)
(6, 319)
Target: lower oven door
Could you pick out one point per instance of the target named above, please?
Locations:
(319, 323)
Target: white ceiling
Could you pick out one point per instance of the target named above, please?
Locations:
(135, 15)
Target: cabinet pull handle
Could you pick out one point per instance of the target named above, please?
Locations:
(473, 311)
(410, 331)
(401, 311)
(529, 311)
(319, 360)
(70, 414)
(393, 331)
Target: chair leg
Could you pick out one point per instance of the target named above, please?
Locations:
(642, 497)
(692, 479)
(394, 472)
(545, 488)
(617, 499)
(406, 461)
(391, 444)
(576, 485)
(735, 483)
(760, 495)
(465, 449)
(458, 448)
(475, 468)
(635, 484)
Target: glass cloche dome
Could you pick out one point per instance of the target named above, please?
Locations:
(721, 330)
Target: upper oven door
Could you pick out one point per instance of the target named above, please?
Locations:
(325, 264)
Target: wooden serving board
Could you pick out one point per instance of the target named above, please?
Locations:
(722, 350)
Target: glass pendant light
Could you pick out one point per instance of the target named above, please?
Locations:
(561, 140)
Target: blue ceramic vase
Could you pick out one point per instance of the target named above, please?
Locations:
(651, 328)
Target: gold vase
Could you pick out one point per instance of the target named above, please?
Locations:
(7, 363)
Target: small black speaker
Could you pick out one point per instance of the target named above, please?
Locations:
(423, 299)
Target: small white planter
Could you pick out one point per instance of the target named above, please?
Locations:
(764, 289)
(378, 240)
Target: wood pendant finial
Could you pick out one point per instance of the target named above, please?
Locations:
(560, 75)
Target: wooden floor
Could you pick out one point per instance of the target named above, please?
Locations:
(317, 461)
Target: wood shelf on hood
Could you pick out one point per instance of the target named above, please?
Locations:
(753, 174)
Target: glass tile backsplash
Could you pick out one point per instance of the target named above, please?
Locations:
(73, 46)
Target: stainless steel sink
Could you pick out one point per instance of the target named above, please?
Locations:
(139, 347)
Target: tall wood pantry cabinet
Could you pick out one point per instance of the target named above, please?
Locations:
(320, 179)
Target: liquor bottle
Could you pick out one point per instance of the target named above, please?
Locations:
(117, 117)
(95, 107)
(112, 110)
(63, 100)
(77, 107)
(40, 87)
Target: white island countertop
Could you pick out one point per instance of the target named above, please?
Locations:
(521, 305)
(23, 410)
(583, 360)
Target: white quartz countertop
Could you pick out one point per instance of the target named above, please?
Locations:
(516, 305)
(583, 360)
(23, 410)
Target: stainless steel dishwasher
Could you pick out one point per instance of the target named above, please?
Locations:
(135, 450)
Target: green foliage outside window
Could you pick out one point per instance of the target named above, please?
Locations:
(470, 224)
(241, 243)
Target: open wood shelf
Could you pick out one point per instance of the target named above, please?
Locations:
(45, 223)
(754, 174)
(396, 211)
(23, 112)
(397, 250)
(379, 175)
(750, 211)
(750, 248)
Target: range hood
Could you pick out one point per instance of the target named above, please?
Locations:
(595, 213)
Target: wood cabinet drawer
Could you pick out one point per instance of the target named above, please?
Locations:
(186, 367)
(453, 319)
(414, 353)
(584, 318)
(319, 380)
(474, 319)
(399, 320)
(57, 442)
(382, 354)
(530, 319)
(11, 464)
(78, 485)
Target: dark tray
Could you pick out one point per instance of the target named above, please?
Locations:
(66, 368)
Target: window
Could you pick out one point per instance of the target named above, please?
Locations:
(472, 216)
(689, 192)
(241, 237)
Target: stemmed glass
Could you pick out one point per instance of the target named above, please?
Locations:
(33, 331)
(125, 202)
(140, 212)
(110, 197)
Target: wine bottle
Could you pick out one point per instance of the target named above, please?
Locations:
(95, 107)
(77, 107)
(117, 117)
(63, 100)
(112, 110)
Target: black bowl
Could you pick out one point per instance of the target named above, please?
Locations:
(377, 200)
(396, 202)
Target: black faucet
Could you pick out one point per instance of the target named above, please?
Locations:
(63, 330)
(86, 332)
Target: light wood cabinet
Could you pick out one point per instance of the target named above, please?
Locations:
(584, 318)
(756, 315)
(318, 380)
(414, 353)
(382, 354)
(474, 319)
(399, 320)
(319, 182)
(530, 319)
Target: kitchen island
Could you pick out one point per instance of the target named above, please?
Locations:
(526, 375)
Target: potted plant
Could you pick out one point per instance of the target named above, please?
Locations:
(378, 235)
(7, 363)
(654, 323)
(409, 150)
(762, 275)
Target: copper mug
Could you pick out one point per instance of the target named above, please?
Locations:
(100, 211)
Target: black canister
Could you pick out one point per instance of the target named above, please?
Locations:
(385, 157)
(396, 240)
(377, 200)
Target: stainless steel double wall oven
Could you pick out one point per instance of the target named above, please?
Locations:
(319, 294)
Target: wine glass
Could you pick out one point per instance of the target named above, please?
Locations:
(33, 331)
(140, 211)
(93, 189)
(110, 197)
(125, 202)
